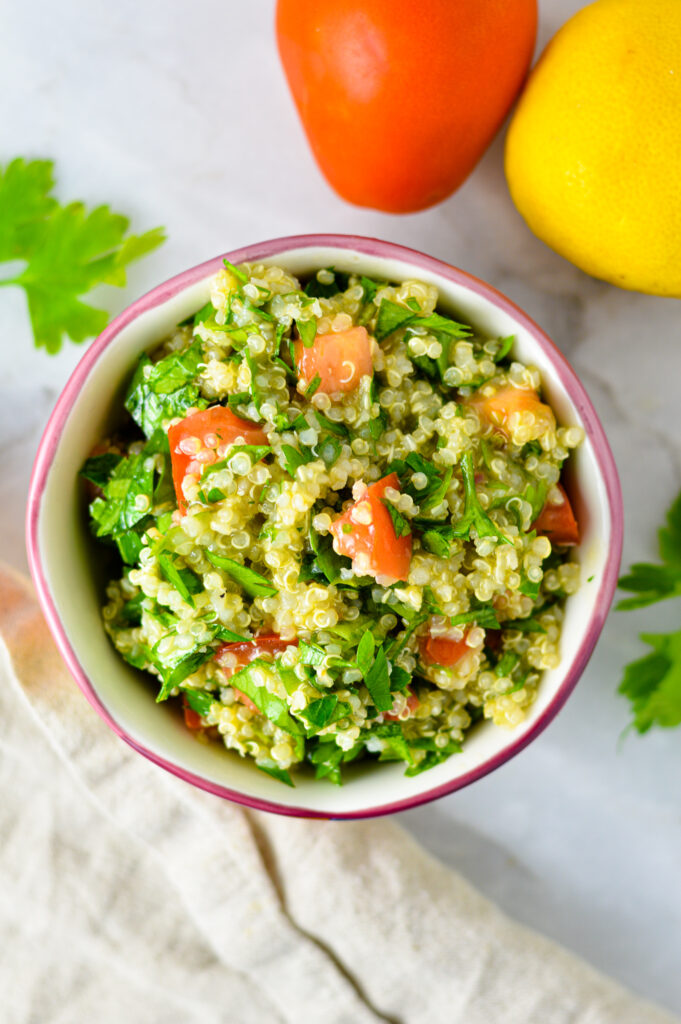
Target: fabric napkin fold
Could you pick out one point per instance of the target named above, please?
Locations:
(129, 896)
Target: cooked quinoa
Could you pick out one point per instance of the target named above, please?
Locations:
(333, 506)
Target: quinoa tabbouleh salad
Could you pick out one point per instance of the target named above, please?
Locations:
(341, 523)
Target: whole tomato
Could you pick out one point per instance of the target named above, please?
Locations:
(400, 99)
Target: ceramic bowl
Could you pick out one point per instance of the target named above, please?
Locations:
(67, 570)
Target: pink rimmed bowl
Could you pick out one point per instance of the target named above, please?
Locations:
(66, 566)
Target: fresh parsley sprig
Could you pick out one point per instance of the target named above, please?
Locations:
(67, 251)
(474, 514)
(653, 683)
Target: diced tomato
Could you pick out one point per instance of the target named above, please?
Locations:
(201, 439)
(557, 522)
(365, 533)
(339, 359)
(497, 409)
(412, 704)
(268, 645)
(192, 719)
(438, 650)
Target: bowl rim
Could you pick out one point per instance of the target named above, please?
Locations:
(366, 246)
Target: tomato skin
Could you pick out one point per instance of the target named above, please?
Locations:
(268, 644)
(438, 650)
(557, 522)
(217, 421)
(340, 359)
(374, 548)
(400, 100)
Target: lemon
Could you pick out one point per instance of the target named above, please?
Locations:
(593, 153)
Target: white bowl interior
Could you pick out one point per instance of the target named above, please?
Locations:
(73, 575)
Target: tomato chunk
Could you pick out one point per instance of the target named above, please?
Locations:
(557, 522)
(438, 650)
(365, 533)
(268, 646)
(339, 359)
(500, 409)
(203, 438)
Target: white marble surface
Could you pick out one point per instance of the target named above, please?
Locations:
(177, 114)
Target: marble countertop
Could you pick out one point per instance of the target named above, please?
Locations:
(177, 114)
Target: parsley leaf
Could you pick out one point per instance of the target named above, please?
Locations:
(653, 683)
(377, 682)
(293, 458)
(276, 772)
(391, 317)
(307, 329)
(68, 250)
(269, 704)
(474, 514)
(200, 701)
(159, 391)
(651, 583)
(98, 468)
(250, 581)
(400, 524)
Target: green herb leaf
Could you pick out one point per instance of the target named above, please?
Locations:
(180, 668)
(185, 581)
(529, 625)
(294, 459)
(400, 524)
(322, 712)
(240, 275)
(313, 386)
(328, 449)
(159, 391)
(395, 746)
(439, 542)
(486, 618)
(98, 468)
(331, 426)
(434, 755)
(130, 490)
(474, 514)
(307, 329)
(269, 704)
(255, 451)
(365, 653)
(377, 682)
(280, 774)
(200, 701)
(506, 344)
(506, 664)
(68, 250)
(370, 287)
(435, 323)
(311, 654)
(528, 588)
(390, 318)
(653, 683)
(250, 581)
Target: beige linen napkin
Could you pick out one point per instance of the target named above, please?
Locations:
(128, 896)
